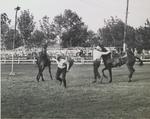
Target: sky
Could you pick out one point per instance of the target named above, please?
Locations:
(93, 12)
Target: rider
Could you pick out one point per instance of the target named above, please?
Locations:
(97, 53)
(81, 53)
(62, 68)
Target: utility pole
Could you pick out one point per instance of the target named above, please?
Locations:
(125, 27)
(12, 65)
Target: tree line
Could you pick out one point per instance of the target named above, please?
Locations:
(69, 30)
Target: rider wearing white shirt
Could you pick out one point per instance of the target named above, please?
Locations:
(61, 63)
(97, 54)
(62, 68)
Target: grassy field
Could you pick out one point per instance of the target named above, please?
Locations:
(23, 97)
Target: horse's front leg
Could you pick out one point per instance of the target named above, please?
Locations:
(41, 72)
(49, 67)
(103, 74)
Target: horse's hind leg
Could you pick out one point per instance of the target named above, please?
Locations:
(103, 72)
(110, 74)
(38, 75)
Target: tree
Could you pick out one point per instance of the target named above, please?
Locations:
(5, 22)
(143, 36)
(113, 31)
(92, 39)
(5, 19)
(47, 28)
(37, 38)
(70, 28)
(10, 38)
(26, 26)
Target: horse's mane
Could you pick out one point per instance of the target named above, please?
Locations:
(103, 48)
(129, 52)
(105, 57)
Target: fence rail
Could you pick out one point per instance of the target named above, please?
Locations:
(33, 61)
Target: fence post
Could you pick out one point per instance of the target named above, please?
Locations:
(33, 60)
(5, 61)
(82, 60)
(18, 60)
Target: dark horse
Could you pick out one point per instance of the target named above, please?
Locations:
(43, 60)
(110, 63)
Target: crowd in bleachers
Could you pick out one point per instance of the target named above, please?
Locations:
(23, 53)
(77, 52)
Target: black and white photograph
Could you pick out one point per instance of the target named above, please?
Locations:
(75, 59)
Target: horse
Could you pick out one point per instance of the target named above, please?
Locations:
(129, 59)
(43, 60)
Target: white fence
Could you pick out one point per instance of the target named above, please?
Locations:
(7, 55)
(78, 60)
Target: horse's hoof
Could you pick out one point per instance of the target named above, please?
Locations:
(130, 81)
(37, 80)
(60, 82)
(43, 80)
(51, 78)
(65, 86)
(110, 81)
(93, 81)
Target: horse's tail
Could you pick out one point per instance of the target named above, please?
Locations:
(71, 62)
(141, 62)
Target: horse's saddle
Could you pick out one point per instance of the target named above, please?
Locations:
(117, 60)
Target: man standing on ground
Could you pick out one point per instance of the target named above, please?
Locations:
(97, 53)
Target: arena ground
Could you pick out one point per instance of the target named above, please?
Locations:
(23, 97)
